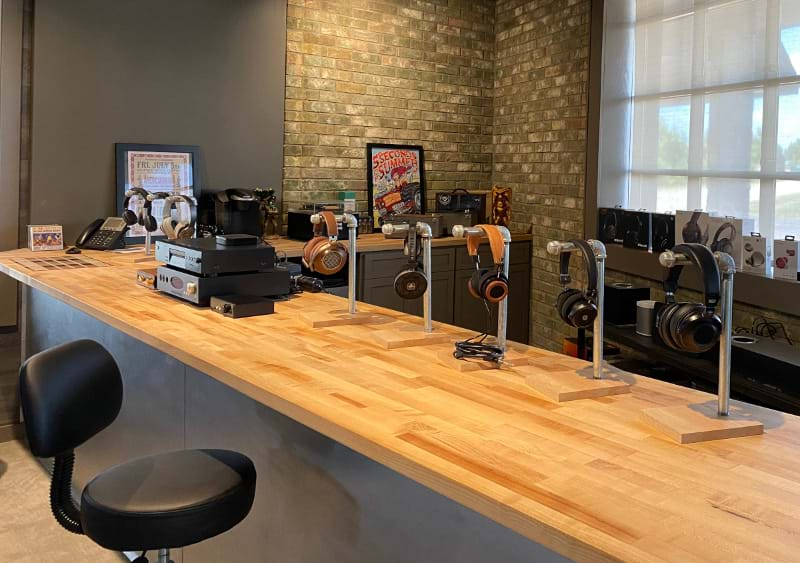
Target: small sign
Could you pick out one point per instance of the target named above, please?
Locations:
(45, 237)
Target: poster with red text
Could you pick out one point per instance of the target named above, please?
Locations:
(396, 180)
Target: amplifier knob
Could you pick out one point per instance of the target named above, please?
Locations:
(191, 288)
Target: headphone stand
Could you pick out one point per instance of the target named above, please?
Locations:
(338, 317)
(565, 385)
(703, 422)
(408, 336)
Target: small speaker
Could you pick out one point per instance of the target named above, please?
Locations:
(620, 301)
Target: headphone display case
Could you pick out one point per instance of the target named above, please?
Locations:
(698, 327)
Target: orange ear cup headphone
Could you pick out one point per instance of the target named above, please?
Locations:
(490, 284)
(325, 254)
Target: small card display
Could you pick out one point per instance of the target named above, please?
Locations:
(45, 237)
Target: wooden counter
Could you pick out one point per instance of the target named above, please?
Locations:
(586, 479)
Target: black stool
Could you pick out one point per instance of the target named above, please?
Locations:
(71, 392)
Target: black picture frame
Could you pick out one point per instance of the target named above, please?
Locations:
(410, 165)
(121, 151)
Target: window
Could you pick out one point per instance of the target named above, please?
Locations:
(706, 93)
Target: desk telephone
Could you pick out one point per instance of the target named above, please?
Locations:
(103, 234)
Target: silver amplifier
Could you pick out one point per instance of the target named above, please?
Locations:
(200, 289)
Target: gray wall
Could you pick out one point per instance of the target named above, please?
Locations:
(194, 72)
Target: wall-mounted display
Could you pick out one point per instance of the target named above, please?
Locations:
(501, 206)
(45, 237)
(395, 180)
(169, 169)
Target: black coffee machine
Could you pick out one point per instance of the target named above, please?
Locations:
(237, 211)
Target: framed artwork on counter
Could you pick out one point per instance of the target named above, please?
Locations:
(395, 180)
(171, 169)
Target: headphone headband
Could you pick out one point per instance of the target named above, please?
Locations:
(412, 247)
(589, 261)
(704, 259)
(725, 225)
(141, 192)
(330, 225)
(496, 243)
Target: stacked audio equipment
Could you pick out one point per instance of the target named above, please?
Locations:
(579, 308)
(698, 327)
(196, 270)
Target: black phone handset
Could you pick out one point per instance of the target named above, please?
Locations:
(103, 234)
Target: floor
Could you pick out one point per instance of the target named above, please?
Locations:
(29, 534)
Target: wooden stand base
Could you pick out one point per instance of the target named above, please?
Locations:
(699, 422)
(408, 337)
(562, 386)
(322, 319)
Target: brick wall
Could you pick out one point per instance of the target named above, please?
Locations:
(398, 71)
(540, 108)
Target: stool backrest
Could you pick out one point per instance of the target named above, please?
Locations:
(68, 394)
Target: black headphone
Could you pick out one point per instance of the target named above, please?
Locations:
(610, 225)
(144, 216)
(631, 236)
(411, 282)
(178, 229)
(488, 284)
(724, 244)
(691, 327)
(660, 234)
(691, 231)
(575, 307)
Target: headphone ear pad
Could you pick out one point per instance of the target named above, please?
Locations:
(130, 217)
(474, 283)
(568, 295)
(569, 304)
(663, 321)
(149, 223)
(681, 311)
(493, 286)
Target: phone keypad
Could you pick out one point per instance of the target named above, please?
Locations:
(101, 239)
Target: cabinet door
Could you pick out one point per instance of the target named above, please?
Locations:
(380, 291)
(442, 299)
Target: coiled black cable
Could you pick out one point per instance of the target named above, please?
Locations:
(61, 503)
(475, 348)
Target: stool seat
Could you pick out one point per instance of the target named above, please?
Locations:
(168, 500)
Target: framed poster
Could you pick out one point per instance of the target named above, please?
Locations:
(171, 169)
(395, 180)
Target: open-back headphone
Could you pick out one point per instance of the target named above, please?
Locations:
(691, 327)
(144, 215)
(325, 254)
(724, 244)
(181, 228)
(490, 284)
(575, 307)
(411, 282)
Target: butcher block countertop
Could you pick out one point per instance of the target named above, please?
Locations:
(585, 478)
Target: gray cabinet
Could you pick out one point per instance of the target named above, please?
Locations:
(452, 303)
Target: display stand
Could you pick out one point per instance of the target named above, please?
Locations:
(410, 335)
(349, 316)
(701, 422)
(561, 385)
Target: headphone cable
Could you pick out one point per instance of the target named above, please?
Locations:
(475, 348)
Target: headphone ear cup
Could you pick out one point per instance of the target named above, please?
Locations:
(493, 286)
(474, 283)
(410, 284)
(663, 321)
(693, 329)
(149, 223)
(575, 306)
(130, 217)
(561, 303)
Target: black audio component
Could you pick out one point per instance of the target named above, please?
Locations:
(147, 278)
(461, 200)
(620, 302)
(237, 240)
(205, 256)
(240, 306)
(199, 289)
(441, 223)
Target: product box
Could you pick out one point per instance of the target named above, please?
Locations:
(725, 235)
(45, 237)
(755, 254)
(786, 258)
(691, 226)
(609, 225)
(662, 229)
(636, 229)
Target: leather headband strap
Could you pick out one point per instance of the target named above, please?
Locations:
(704, 259)
(496, 243)
(330, 224)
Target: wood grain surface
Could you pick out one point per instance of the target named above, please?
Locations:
(587, 478)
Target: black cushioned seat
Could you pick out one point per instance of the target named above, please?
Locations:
(168, 500)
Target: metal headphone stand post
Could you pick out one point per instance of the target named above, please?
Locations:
(320, 319)
(566, 386)
(408, 336)
(703, 422)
